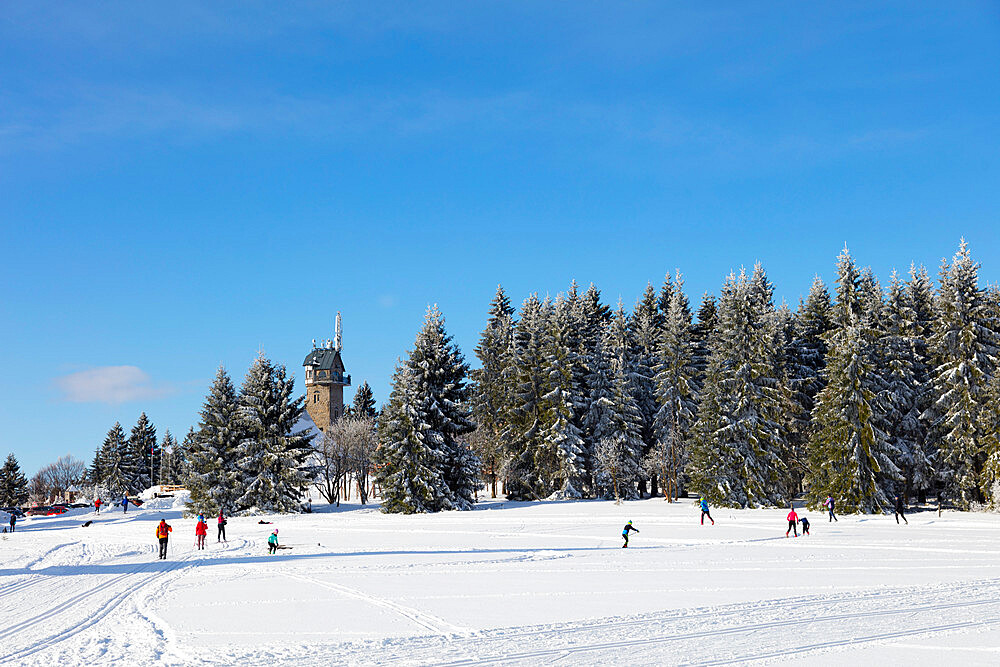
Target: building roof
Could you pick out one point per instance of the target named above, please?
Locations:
(324, 359)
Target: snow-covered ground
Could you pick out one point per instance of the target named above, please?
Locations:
(510, 583)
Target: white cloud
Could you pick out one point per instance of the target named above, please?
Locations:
(110, 384)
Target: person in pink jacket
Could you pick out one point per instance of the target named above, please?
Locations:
(793, 520)
(200, 530)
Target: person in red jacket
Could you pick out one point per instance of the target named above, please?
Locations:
(222, 528)
(97, 505)
(163, 531)
(200, 531)
(793, 520)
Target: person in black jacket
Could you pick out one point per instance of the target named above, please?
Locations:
(628, 527)
(899, 509)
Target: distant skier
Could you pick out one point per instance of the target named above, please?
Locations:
(124, 504)
(13, 520)
(200, 531)
(97, 505)
(805, 525)
(222, 528)
(272, 542)
(163, 531)
(828, 503)
(899, 509)
(793, 520)
(628, 527)
(704, 512)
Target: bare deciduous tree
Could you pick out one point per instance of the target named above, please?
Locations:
(345, 451)
(489, 448)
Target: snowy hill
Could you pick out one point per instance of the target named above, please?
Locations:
(509, 583)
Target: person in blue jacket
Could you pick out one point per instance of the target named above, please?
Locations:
(124, 504)
(704, 512)
(628, 527)
(13, 520)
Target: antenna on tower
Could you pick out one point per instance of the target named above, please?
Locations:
(314, 343)
(336, 334)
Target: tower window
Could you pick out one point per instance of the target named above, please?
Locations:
(316, 398)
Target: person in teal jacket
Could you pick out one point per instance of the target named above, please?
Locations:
(628, 527)
(704, 512)
(272, 542)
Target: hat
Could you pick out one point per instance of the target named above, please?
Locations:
(630, 520)
(275, 531)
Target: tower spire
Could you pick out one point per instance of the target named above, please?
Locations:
(336, 335)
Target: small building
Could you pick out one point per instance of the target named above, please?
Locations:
(325, 381)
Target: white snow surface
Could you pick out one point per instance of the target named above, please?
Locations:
(506, 584)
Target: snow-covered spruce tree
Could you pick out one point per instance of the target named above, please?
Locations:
(805, 362)
(407, 465)
(363, 404)
(493, 383)
(591, 317)
(181, 459)
(702, 333)
(849, 455)
(13, 484)
(561, 454)
(663, 300)
(214, 479)
(964, 350)
(617, 423)
(900, 396)
(645, 327)
(920, 297)
(738, 453)
(676, 394)
(144, 454)
(523, 481)
(116, 472)
(274, 469)
(425, 465)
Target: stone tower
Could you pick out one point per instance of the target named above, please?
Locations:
(325, 381)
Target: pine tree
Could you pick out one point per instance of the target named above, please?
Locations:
(426, 466)
(116, 473)
(274, 469)
(849, 453)
(645, 326)
(920, 296)
(364, 402)
(618, 424)
(738, 452)
(676, 393)
(143, 455)
(964, 345)
(492, 391)
(214, 479)
(13, 484)
(524, 481)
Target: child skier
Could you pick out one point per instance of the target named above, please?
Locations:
(200, 531)
(899, 509)
(222, 529)
(805, 525)
(272, 542)
(162, 534)
(828, 503)
(628, 527)
(793, 520)
(704, 512)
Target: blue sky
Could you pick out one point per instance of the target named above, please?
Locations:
(183, 184)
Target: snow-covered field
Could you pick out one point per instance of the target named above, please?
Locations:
(510, 583)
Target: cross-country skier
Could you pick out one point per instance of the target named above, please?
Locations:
(163, 531)
(628, 527)
(805, 525)
(899, 509)
(200, 531)
(793, 520)
(704, 512)
(124, 504)
(272, 542)
(13, 520)
(828, 503)
(222, 528)
(97, 505)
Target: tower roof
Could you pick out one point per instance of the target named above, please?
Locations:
(324, 359)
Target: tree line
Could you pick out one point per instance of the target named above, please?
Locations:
(862, 394)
